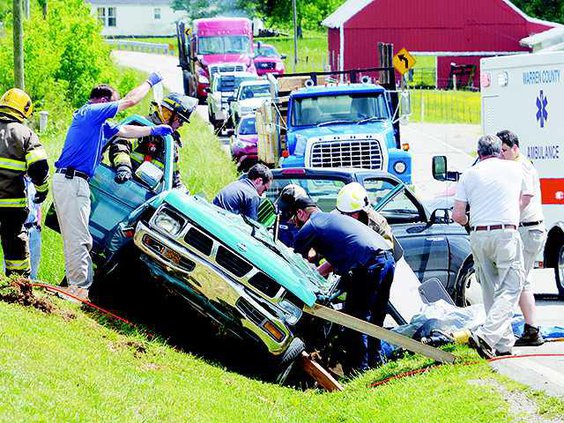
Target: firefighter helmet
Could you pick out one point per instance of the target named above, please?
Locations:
(178, 104)
(16, 103)
(352, 198)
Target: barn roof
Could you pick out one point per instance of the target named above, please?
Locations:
(351, 7)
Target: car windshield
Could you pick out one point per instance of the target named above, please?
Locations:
(344, 108)
(266, 52)
(247, 127)
(223, 45)
(324, 192)
(252, 91)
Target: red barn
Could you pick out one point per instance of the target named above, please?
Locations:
(458, 31)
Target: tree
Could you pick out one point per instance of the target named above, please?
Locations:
(209, 8)
(550, 10)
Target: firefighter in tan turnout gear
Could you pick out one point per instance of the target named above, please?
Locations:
(126, 154)
(20, 153)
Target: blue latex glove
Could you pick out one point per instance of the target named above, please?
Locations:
(154, 78)
(161, 130)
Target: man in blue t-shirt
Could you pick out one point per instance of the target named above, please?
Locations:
(361, 256)
(82, 153)
(244, 196)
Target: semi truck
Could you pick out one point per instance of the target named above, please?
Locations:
(326, 122)
(213, 45)
(525, 94)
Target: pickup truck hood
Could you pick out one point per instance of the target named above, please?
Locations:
(210, 59)
(344, 129)
(278, 262)
(252, 102)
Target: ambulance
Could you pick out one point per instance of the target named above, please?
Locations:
(525, 94)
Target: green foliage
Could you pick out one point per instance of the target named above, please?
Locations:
(550, 10)
(63, 53)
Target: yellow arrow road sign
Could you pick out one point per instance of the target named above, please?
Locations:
(403, 61)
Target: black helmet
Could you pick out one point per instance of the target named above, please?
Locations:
(180, 104)
(291, 198)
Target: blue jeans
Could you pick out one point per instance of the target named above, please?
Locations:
(34, 250)
(368, 292)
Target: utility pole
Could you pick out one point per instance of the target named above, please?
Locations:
(295, 34)
(18, 44)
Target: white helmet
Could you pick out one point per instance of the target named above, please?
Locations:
(352, 198)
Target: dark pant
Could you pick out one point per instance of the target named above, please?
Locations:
(368, 292)
(14, 240)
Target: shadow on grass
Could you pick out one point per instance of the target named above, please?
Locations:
(157, 313)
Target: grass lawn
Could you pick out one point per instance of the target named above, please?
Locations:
(68, 366)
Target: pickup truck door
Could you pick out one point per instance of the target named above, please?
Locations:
(111, 203)
(425, 246)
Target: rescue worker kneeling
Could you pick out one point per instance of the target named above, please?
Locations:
(126, 154)
(20, 153)
(361, 256)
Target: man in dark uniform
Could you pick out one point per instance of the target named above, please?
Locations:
(244, 195)
(362, 258)
(127, 154)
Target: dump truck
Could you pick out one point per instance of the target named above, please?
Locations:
(334, 119)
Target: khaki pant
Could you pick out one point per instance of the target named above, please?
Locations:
(533, 238)
(14, 240)
(72, 204)
(498, 258)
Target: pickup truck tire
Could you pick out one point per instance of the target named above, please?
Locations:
(467, 290)
(287, 359)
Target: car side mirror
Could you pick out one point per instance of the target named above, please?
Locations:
(149, 174)
(441, 172)
(207, 89)
(441, 216)
(283, 56)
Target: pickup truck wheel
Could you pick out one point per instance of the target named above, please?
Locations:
(288, 358)
(467, 289)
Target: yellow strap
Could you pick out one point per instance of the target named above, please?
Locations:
(12, 164)
(35, 155)
(43, 187)
(13, 202)
(140, 158)
(18, 264)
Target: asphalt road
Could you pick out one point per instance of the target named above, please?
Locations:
(458, 143)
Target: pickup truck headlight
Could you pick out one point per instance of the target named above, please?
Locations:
(169, 223)
(400, 167)
(292, 312)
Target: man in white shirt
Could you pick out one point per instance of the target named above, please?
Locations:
(496, 191)
(533, 236)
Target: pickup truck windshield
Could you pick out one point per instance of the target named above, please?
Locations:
(342, 108)
(252, 91)
(267, 52)
(224, 45)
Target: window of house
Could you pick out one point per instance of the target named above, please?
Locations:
(157, 13)
(107, 15)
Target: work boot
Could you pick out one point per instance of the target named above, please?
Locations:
(481, 346)
(531, 337)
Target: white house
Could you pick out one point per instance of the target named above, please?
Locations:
(145, 18)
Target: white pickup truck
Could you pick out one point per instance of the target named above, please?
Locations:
(248, 98)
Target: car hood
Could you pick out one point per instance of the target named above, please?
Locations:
(274, 259)
(211, 59)
(262, 59)
(344, 129)
(252, 102)
(248, 138)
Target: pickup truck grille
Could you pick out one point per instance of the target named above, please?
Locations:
(364, 154)
(226, 68)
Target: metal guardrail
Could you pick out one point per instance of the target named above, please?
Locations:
(146, 47)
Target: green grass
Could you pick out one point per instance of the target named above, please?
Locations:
(67, 366)
(441, 106)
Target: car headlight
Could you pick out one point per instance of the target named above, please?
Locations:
(169, 223)
(291, 312)
(241, 144)
(400, 167)
(202, 79)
